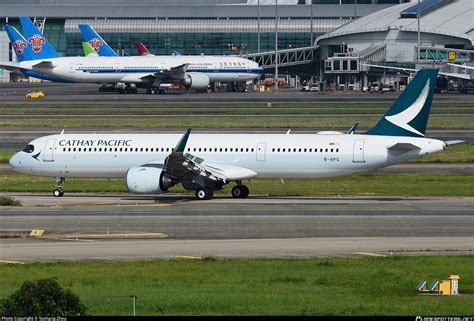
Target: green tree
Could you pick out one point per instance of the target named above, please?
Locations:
(44, 297)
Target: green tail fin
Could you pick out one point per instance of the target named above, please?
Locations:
(88, 50)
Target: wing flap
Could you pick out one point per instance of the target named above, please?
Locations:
(230, 172)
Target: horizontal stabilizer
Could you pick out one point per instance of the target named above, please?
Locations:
(44, 64)
(454, 142)
(12, 66)
(402, 148)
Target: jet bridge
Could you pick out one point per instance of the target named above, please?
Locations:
(286, 57)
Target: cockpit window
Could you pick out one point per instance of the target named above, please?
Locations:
(29, 148)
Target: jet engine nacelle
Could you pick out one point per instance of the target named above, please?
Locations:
(196, 80)
(147, 180)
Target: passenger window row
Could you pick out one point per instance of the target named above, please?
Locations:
(221, 149)
(116, 149)
(305, 150)
(158, 149)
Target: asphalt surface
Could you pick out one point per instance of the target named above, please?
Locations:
(15, 138)
(82, 226)
(85, 93)
(27, 250)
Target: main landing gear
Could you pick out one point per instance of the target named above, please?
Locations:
(240, 191)
(59, 191)
(204, 193)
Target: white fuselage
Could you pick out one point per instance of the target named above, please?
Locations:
(144, 69)
(269, 155)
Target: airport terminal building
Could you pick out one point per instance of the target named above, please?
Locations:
(328, 39)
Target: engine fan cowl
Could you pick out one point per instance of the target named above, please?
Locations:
(196, 80)
(147, 180)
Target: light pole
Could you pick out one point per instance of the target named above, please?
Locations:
(258, 28)
(419, 37)
(276, 45)
(134, 298)
(311, 23)
(355, 9)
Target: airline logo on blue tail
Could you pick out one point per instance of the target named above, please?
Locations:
(99, 45)
(19, 46)
(408, 116)
(38, 46)
(96, 44)
(36, 42)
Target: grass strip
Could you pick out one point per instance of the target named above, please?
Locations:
(410, 184)
(221, 109)
(302, 121)
(334, 286)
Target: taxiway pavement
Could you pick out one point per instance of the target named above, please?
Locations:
(85, 226)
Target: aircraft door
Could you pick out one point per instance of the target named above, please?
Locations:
(359, 151)
(261, 149)
(48, 150)
(72, 68)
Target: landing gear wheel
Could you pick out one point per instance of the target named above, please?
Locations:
(204, 194)
(240, 191)
(58, 192)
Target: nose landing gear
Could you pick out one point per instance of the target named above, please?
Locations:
(59, 191)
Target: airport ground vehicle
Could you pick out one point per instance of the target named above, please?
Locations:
(35, 94)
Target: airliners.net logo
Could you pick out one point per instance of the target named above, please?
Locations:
(444, 318)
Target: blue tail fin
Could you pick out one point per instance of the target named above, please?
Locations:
(18, 42)
(408, 115)
(38, 46)
(97, 43)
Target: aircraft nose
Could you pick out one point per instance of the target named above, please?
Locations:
(15, 161)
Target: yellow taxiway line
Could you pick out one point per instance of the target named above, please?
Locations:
(11, 262)
(369, 254)
(188, 257)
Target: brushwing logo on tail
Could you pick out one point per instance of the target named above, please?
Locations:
(36, 42)
(403, 118)
(96, 44)
(19, 46)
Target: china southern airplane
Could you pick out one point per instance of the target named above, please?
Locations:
(38, 58)
(152, 163)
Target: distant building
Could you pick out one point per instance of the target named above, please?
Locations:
(390, 37)
(194, 27)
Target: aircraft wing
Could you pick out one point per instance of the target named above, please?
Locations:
(177, 72)
(44, 64)
(229, 172)
(402, 148)
(179, 164)
(461, 66)
(456, 75)
(447, 74)
(12, 66)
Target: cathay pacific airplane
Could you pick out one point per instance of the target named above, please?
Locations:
(39, 59)
(152, 163)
